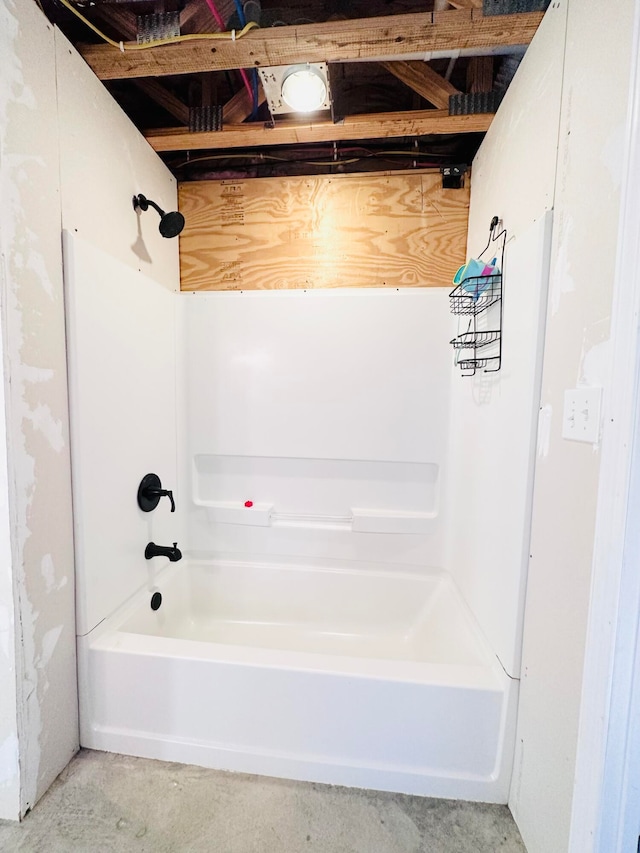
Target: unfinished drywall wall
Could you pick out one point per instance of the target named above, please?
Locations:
(587, 200)
(10, 771)
(104, 162)
(59, 129)
(41, 569)
(494, 416)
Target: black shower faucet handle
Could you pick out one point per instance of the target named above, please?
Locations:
(162, 493)
(150, 491)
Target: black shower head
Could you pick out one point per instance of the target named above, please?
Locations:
(171, 224)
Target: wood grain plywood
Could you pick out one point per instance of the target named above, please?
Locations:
(382, 230)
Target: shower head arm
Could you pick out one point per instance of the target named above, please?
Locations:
(143, 203)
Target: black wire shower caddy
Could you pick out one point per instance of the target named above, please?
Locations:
(477, 347)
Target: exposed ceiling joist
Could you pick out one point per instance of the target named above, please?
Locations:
(424, 80)
(196, 18)
(466, 4)
(157, 92)
(240, 107)
(480, 74)
(124, 21)
(413, 36)
(376, 126)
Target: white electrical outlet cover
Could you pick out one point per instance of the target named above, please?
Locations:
(581, 415)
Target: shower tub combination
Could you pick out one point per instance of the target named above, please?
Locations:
(373, 678)
(355, 673)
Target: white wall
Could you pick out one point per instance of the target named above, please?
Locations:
(122, 367)
(493, 420)
(587, 199)
(104, 162)
(328, 409)
(40, 573)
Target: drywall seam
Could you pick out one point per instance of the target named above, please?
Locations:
(544, 429)
(562, 281)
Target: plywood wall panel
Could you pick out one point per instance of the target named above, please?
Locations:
(382, 230)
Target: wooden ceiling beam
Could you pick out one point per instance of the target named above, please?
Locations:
(480, 74)
(374, 126)
(240, 107)
(466, 4)
(196, 17)
(123, 21)
(424, 80)
(393, 37)
(165, 98)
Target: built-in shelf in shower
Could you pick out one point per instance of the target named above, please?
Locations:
(359, 496)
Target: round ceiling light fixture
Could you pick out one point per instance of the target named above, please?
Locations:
(304, 89)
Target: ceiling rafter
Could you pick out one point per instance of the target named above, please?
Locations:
(166, 99)
(480, 74)
(373, 126)
(421, 78)
(123, 21)
(197, 18)
(466, 4)
(240, 107)
(410, 36)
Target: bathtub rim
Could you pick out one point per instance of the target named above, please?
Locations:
(487, 674)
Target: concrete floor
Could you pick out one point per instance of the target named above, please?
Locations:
(104, 803)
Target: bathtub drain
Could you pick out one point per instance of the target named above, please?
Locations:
(156, 600)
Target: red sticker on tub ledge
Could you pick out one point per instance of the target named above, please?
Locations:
(248, 503)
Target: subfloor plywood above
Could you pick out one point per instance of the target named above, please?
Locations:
(397, 230)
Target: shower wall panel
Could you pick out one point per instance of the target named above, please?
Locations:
(494, 416)
(316, 424)
(121, 347)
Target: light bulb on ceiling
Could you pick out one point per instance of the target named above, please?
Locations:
(304, 89)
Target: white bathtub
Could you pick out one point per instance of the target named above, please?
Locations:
(373, 679)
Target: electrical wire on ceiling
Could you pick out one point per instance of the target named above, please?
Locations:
(253, 86)
(302, 161)
(220, 22)
(233, 35)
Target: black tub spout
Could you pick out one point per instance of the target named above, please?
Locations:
(173, 553)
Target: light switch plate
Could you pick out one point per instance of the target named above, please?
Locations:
(581, 416)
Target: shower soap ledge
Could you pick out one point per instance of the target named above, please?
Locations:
(391, 521)
(358, 521)
(235, 512)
